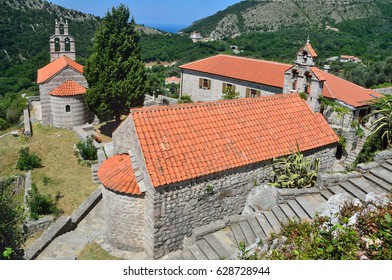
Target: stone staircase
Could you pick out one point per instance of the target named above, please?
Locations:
(353, 155)
(223, 243)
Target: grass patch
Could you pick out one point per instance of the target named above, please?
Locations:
(68, 178)
(93, 251)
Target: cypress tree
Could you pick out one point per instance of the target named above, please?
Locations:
(115, 73)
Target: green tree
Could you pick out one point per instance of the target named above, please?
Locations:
(11, 216)
(230, 93)
(115, 73)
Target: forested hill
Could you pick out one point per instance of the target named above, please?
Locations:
(272, 15)
(25, 28)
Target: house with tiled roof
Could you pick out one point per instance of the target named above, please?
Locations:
(179, 167)
(207, 79)
(62, 84)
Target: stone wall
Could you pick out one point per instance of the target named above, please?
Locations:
(47, 87)
(387, 90)
(124, 222)
(190, 86)
(122, 137)
(333, 118)
(179, 208)
(78, 114)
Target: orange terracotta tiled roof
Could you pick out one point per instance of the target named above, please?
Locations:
(246, 69)
(311, 50)
(187, 141)
(54, 67)
(69, 88)
(173, 79)
(345, 91)
(116, 173)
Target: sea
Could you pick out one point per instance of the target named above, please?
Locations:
(173, 28)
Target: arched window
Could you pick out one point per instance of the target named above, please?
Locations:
(305, 56)
(67, 44)
(57, 44)
(67, 108)
(294, 85)
(61, 29)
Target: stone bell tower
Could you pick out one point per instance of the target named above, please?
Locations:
(61, 43)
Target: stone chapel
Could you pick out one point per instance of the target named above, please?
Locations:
(61, 83)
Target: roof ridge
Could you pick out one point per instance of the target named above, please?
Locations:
(212, 103)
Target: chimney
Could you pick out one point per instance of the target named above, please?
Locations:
(327, 68)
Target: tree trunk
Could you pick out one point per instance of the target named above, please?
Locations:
(117, 117)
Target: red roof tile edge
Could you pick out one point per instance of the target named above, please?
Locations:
(64, 89)
(116, 174)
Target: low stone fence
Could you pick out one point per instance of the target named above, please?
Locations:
(387, 90)
(164, 100)
(28, 131)
(63, 225)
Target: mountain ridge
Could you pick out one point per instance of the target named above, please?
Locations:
(273, 15)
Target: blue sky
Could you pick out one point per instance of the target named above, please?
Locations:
(163, 12)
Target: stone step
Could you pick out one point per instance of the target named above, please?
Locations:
(389, 161)
(197, 252)
(208, 251)
(336, 189)
(381, 183)
(366, 185)
(382, 174)
(312, 204)
(272, 220)
(257, 229)
(387, 166)
(289, 212)
(248, 232)
(298, 210)
(238, 234)
(217, 246)
(265, 225)
(187, 255)
(326, 194)
(226, 238)
(353, 190)
(279, 214)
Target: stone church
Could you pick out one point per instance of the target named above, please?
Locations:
(179, 167)
(61, 83)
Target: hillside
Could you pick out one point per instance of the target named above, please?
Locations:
(272, 15)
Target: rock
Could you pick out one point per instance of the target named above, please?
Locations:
(335, 204)
(377, 199)
(261, 198)
(380, 157)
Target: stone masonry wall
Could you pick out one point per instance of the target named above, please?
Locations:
(122, 137)
(180, 208)
(78, 115)
(190, 86)
(124, 220)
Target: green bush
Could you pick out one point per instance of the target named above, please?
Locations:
(40, 204)
(27, 161)
(87, 150)
(185, 99)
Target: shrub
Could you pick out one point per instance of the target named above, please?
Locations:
(27, 161)
(370, 237)
(295, 171)
(185, 99)
(87, 149)
(40, 204)
(303, 95)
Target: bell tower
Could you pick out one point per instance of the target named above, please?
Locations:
(61, 43)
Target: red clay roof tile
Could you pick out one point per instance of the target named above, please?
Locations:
(54, 67)
(247, 69)
(227, 134)
(116, 173)
(69, 88)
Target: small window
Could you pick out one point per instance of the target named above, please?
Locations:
(67, 44)
(204, 83)
(68, 108)
(250, 92)
(294, 85)
(61, 29)
(57, 44)
(227, 87)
